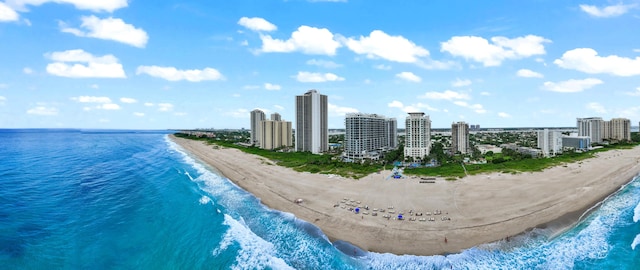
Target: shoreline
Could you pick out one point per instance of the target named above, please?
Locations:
(474, 210)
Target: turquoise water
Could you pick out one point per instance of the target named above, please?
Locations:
(72, 199)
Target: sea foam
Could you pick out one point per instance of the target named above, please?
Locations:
(636, 213)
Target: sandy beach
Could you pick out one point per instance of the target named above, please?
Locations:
(467, 212)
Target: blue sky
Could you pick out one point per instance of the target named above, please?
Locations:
(198, 64)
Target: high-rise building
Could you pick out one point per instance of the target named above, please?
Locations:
(606, 130)
(276, 117)
(591, 127)
(418, 135)
(312, 130)
(460, 138)
(550, 142)
(392, 133)
(620, 129)
(366, 135)
(275, 134)
(256, 117)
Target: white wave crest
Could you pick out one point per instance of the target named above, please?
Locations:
(636, 213)
(205, 200)
(254, 252)
(636, 241)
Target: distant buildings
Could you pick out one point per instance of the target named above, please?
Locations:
(582, 143)
(312, 131)
(275, 133)
(418, 135)
(591, 127)
(617, 129)
(276, 117)
(367, 135)
(550, 142)
(256, 117)
(459, 138)
(474, 127)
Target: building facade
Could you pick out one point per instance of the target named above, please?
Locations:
(368, 135)
(620, 129)
(276, 117)
(312, 130)
(418, 136)
(256, 117)
(550, 142)
(582, 143)
(275, 134)
(460, 138)
(591, 127)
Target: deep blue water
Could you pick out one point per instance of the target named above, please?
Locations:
(72, 199)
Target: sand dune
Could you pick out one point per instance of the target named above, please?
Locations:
(473, 210)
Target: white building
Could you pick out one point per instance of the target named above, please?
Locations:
(550, 142)
(418, 136)
(312, 131)
(367, 135)
(591, 127)
(620, 129)
(460, 138)
(256, 117)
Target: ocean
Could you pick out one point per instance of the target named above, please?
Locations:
(108, 199)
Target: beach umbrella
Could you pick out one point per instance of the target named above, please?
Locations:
(399, 216)
(357, 210)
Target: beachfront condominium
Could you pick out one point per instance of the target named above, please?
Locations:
(276, 117)
(459, 138)
(591, 127)
(619, 129)
(256, 117)
(417, 136)
(312, 131)
(367, 135)
(275, 134)
(550, 142)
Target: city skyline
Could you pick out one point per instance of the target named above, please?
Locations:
(114, 64)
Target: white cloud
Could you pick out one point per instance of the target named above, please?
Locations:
(165, 107)
(382, 67)
(634, 93)
(416, 107)
(238, 113)
(608, 11)
(478, 108)
(81, 64)
(335, 110)
(138, 114)
(596, 107)
(257, 24)
(504, 115)
(173, 74)
(381, 45)
(588, 61)
(7, 14)
(492, 54)
(306, 39)
(43, 110)
(109, 29)
(91, 99)
(2, 100)
(571, 86)
(180, 113)
(98, 6)
(304, 76)
(527, 73)
(148, 104)
(446, 95)
(128, 100)
(94, 86)
(272, 87)
(485, 93)
(323, 63)
(27, 70)
(109, 106)
(280, 108)
(408, 76)
(460, 83)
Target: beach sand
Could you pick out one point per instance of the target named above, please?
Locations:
(474, 210)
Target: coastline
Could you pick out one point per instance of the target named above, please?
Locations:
(481, 208)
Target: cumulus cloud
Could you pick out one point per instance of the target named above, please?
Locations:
(588, 61)
(527, 73)
(97, 6)
(81, 64)
(460, 83)
(128, 100)
(109, 29)
(608, 11)
(323, 63)
(382, 67)
(27, 70)
(7, 14)
(381, 45)
(571, 86)
(446, 95)
(304, 76)
(165, 107)
(91, 99)
(43, 110)
(478, 108)
(138, 114)
(493, 53)
(272, 87)
(173, 74)
(596, 107)
(504, 115)
(306, 39)
(257, 24)
(409, 76)
(109, 106)
(416, 107)
(335, 110)
(2, 100)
